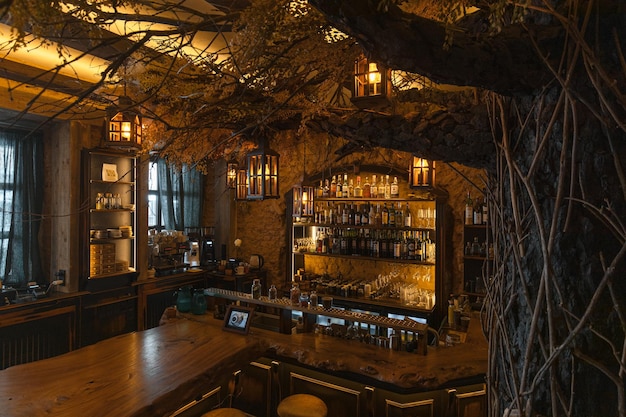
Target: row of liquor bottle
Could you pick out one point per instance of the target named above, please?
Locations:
(476, 209)
(391, 244)
(477, 248)
(392, 215)
(380, 187)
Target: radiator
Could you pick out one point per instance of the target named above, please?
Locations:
(35, 337)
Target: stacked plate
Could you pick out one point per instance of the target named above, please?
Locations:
(126, 231)
(101, 234)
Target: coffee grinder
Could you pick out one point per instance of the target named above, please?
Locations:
(207, 247)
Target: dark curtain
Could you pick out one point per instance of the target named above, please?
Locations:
(180, 195)
(21, 182)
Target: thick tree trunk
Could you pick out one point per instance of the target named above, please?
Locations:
(557, 300)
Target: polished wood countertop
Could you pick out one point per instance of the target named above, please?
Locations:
(152, 372)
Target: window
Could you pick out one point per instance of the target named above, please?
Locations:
(21, 198)
(174, 196)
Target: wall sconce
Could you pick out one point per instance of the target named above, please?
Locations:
(242, 184)
(303, 201)
(123, 125)
(231, 174)
(421, 173)
(262, 174)
(372, 83)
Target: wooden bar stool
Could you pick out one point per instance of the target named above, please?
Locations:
(225, 412)
(302, 405)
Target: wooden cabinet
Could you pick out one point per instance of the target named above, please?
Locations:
(477, 261)
(109, 195)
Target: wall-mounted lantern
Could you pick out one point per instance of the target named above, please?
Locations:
(421, 173)
(231, 174)
(242, 184)
(262, 173)
(124, 128)
(303, 201)
(372, 83)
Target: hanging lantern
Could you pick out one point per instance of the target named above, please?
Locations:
(231, 174)
(262, 174)
(123, 125)
(372, 83)
(303, 201)
(421, 173)
(242, 184)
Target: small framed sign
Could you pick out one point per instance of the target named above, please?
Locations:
(237, 319)
(109, 172)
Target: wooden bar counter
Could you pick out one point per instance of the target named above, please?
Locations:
(153, 372)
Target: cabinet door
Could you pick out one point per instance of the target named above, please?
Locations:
(108, 201)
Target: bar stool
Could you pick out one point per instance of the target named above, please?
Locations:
(225, 412)
(302, 405)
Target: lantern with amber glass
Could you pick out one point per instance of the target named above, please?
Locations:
(242, 184)
(262, 174)
(372, 83)
(303, 201)
(421, 173)
(123, 125)
(231, 174)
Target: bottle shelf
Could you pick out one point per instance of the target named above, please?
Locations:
(375, 200)
(367, 258)
(103, 182)
(369, 227)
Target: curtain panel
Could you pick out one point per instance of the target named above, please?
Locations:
(21, 188)
(180, 195)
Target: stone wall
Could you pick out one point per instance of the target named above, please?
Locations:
(262, 225)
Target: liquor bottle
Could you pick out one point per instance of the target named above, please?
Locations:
(357, 215)
(345, 215)
(411, 245)
(392, 216)
(385, 215)
(395, 188)
(374, 187)
(294, 294)
(338, 190)
(326, 189)
(365, 216)
(485, 208)
(351, 189)
(469, 210)
(319, 191)
(378, 217)
(333, 187)
(384, 245)
(358, 190)
(344, 188)
(399, 216)
(351, 215)
(387, 188)
(408, 221)
(418, 249)
(372, 215)
(397, 247)
(478, 212)
(367, 188)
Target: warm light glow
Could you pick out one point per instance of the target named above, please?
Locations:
(422, 172)
(126, 130)
(374, 74)
(45, 56)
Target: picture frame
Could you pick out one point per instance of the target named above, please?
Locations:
(238, 318)
(109, 172)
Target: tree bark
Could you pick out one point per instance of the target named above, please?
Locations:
(505, 63)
